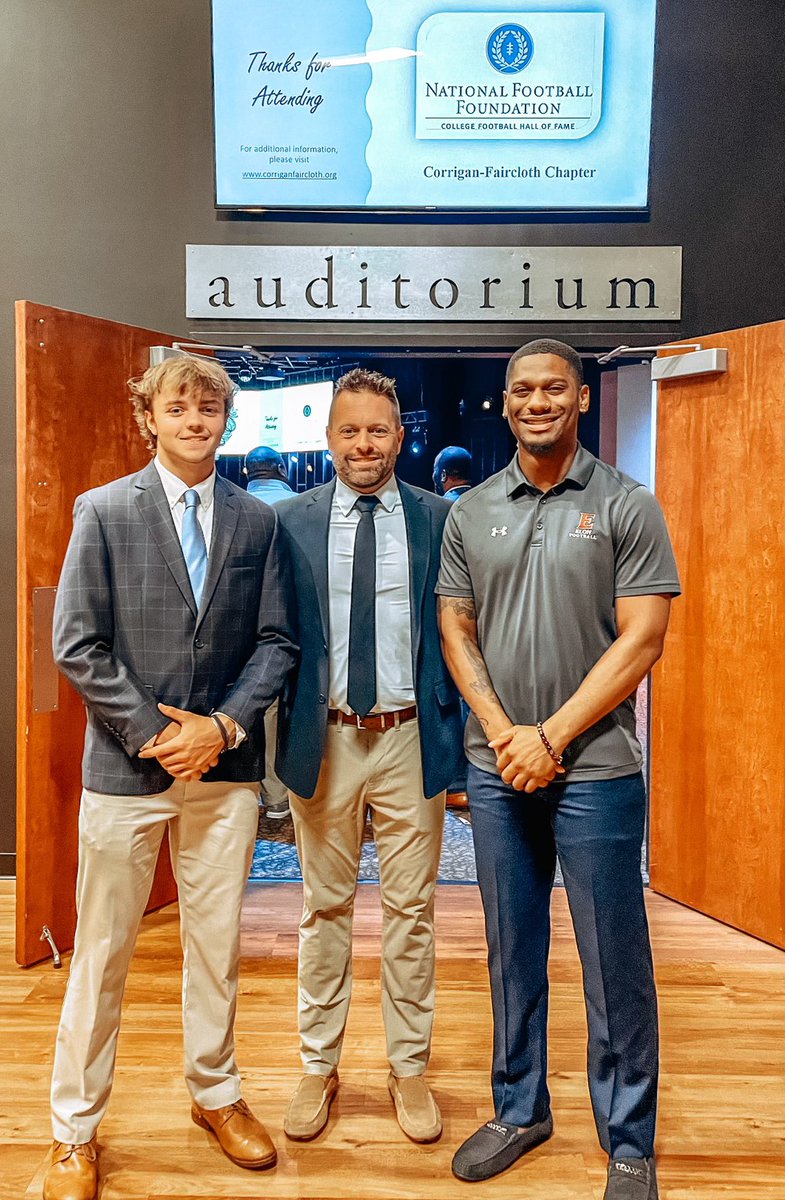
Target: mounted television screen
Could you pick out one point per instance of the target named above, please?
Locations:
(421, 104)
(289, 419)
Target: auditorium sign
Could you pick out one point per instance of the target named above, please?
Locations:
(434, 283)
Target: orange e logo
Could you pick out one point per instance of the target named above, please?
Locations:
(587, 521)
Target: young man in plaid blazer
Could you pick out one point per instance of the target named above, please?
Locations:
(172, 624)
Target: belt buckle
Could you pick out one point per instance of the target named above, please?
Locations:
(394, 721)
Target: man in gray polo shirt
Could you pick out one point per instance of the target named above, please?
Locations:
(554, 594)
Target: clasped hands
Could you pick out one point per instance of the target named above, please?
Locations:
(523, 760)
(188, 746)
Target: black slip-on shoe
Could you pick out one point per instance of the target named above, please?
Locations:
(495, 1147)
(631, 1179)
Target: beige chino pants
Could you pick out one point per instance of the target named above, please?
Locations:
(212, 829)
(381, 773)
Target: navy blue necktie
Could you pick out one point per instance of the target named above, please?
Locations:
(361, 684)
(194, 545)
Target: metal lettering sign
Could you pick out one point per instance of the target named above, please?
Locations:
(434, 283)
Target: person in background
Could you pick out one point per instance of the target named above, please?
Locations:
(268, 481)
(172, 623)
(452, 472)
(554, 595)
(268, 478)
(370, 723)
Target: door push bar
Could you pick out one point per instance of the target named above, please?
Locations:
(46, 936)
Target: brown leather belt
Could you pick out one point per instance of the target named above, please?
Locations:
(374, 722)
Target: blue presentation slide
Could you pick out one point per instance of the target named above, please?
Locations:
(415, 104)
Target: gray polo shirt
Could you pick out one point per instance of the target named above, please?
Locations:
(544, 569)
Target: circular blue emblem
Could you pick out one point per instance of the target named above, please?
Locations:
(510, 49)
(307, 410)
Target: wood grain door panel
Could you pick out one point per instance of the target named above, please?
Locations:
(718, 698)
(75, 430)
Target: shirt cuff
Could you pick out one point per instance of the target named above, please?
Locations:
(240, 734)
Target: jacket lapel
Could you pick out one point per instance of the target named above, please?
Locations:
(225, 518)
(154, 508)
(317, 516)
(418, 530)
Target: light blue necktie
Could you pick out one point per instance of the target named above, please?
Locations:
(194, 545)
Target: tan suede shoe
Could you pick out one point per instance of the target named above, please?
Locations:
(417, 1111)
(309, 1107)
(243, 1139)
(73, 1174)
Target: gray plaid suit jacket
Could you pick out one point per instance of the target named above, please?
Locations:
(127, 633)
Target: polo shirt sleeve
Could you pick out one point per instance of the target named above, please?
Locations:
(454, 578)
(643, 556)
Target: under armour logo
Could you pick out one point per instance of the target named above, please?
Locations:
(499, 531)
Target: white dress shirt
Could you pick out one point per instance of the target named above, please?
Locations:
(394, 669)
(175, 490)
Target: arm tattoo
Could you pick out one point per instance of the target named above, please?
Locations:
(481, 684)
(462, 606)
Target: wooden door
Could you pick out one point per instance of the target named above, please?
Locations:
(75, 431)
(718, 698)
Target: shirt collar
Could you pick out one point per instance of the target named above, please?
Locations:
(579, 474)
(389, 497)
(268, 485)
(175, 488)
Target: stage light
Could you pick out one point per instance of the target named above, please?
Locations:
(273, 373)
(486, 404)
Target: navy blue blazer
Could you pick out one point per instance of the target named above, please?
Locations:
(302, 724)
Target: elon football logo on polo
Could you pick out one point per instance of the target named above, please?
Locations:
(585, 527)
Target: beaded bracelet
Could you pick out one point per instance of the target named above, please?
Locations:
(557, 758)
(222, 730)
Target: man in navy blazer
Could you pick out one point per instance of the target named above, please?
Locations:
(369, 724)
(172, 623)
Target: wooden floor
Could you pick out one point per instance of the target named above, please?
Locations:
(722, 1123)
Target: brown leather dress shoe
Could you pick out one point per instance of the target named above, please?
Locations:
(73, 1174)
(243, 1139)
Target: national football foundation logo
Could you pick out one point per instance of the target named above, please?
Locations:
(510, 49)
(585, 527)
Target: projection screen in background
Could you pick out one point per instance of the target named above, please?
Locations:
(416, 104)
(289, 419)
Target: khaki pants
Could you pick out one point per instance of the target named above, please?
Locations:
(380, 772)
(212, 828)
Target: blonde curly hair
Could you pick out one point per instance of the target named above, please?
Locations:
(185, 374)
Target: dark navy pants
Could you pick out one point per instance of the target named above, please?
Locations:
(597, 830)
